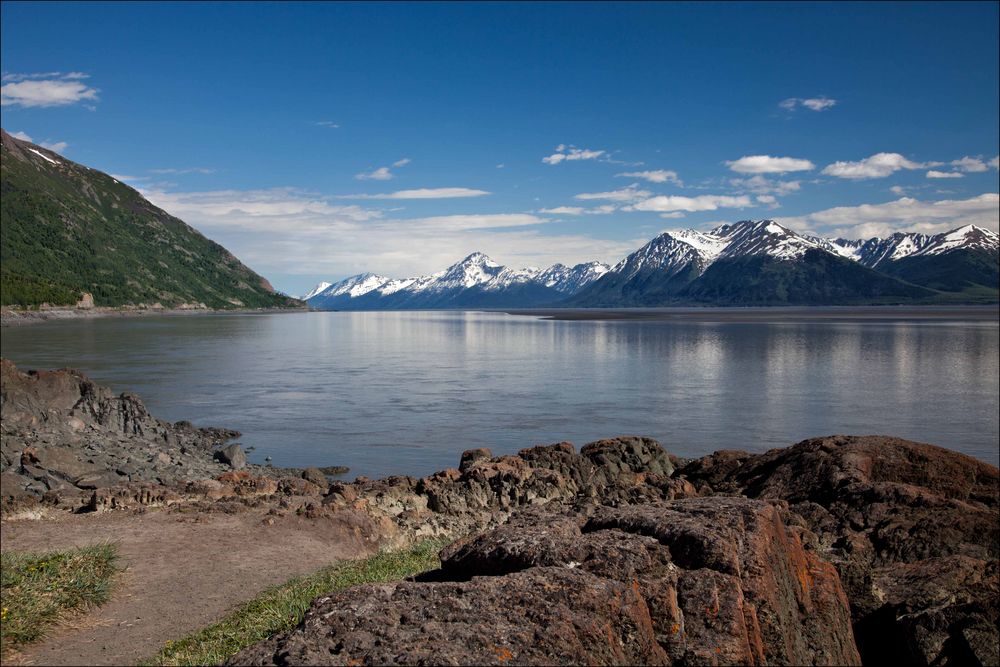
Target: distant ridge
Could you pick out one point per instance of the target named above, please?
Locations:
(751, 262)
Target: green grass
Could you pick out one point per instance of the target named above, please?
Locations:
(282, 607)
(38, 589)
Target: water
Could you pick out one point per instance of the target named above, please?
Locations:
(406, 392)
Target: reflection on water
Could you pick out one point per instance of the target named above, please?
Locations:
(388, 393)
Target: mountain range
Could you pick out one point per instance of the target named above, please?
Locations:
(751, 262)
(69, 230)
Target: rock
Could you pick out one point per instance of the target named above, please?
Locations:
(211, 489)
(335, 470)
(704, 581)
(57, 427)
(543, 616)
(470, 456)
(315, 476)
(97, 480)
(232, 455)
(881, 508)
(130, 496)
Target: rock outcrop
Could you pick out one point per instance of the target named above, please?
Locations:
(834, 551)
(63, 438)
(700, 581)
(913, 529)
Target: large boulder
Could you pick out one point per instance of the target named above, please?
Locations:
(897, 518)
(701, 581)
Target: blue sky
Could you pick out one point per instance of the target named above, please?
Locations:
(320, 140)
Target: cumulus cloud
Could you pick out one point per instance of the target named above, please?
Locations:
(879, 165)
(668, 203)
(289, 232)
(654, 176)
(811, 103)
(762, 185)
(565, 153)
(970, 164)
(765, 164)
(422, 193)
(770, 200)
(904, 214)
(934, 173)
(49, 89)
(627, 194)
(995, 162)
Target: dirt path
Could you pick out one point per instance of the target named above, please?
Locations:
(184, 571)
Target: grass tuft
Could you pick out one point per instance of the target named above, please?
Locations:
(37, 589)
(283, 607)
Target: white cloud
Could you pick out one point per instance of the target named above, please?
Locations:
(667, 203)
(879, 165)
(580, 210)
(934, 173)
(501, 165)
(970, 164)
(50, 89)
(765, 164)
(897, 190)
(291, 232)
(380, 174)
(995, 162)
(904, 214)
(56, 146)
(655, 176)
(327, 123)
(570, 153)
(762, 185)
(422, 193)
(564, 210)
(183, 170)
(630, 193)
(674, 214)
(770, 200)
(811, 103)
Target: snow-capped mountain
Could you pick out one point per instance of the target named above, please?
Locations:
(315, 290)
(734, 263)
(571, 279)
(747, 262)
(475, 281)
(876, 252)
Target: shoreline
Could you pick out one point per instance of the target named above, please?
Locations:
(10, 317)
(764, 314)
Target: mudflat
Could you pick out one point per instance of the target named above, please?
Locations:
(987, 313)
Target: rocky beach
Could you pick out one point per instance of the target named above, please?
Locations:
(836, 550)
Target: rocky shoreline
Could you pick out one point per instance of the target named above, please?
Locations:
(837, 550)
(17, 317)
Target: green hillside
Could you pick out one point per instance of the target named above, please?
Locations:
(67, 229)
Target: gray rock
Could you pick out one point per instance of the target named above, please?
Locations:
(232, 455)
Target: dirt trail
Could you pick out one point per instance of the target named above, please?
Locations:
(184, 571)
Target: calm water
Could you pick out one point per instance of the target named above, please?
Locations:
(391, 392)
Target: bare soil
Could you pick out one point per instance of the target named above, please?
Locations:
(183, 571)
